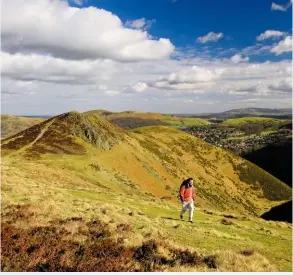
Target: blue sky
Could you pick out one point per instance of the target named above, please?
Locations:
(184, 56)
(183, 21)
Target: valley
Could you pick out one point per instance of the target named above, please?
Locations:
(259, 140)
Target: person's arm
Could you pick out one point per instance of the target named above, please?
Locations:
(193, 193)
(182, 190)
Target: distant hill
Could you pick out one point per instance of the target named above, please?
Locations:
(250, 120)
(39, 116)
(254, 125)
(11, 125)
(283, 113)
(131, 120)
(260, 111)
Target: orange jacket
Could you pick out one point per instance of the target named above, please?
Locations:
(187, 193)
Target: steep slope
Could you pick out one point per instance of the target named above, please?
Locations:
(79, 168)
(11, 125)
(62, 134)
(223, 180)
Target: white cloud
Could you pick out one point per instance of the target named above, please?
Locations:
(137, 88)
(251, 100)
(140, 24)
(29, 85)
(270, 34)
(277, 7)
(140, 87)
(182, 78)
(237, 58)
(230, 78)
(112, 93)
(210, 37)
(55, 28)
(78, 66)
(284, 85)
(195, 74)
(283, 46)
(195, 78)
(102, 87)
(77, 2)
(49, 69)
(258, 49)
(248, 88)
(189, 101)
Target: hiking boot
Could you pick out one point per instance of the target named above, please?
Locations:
(181, 217)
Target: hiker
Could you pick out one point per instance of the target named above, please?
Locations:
(187, 192)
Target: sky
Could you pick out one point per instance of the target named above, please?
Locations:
(168, 56)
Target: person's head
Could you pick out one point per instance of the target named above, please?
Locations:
(190, 181)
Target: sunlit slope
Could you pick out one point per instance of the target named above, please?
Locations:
(62, 135)
(223, 180)
(81, 165)
(11, 125)
(253, 120)
(150, 160)
(131, 119)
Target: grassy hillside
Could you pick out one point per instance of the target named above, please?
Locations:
(63, 135)
(284, 113)
(131, 120)
(254, 125)
(247, 120)
(128, 190)
(11, 125)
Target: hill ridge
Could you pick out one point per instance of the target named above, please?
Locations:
(66, 129)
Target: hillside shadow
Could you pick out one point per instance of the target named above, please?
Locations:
(282, 212)
(266, 159)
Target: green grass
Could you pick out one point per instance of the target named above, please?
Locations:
(245, 120)
(206, 235)
(132, 120)
(186, 122)
(254, 176)
(254, 125)
(268, 132)
(239, 138)
(121, 185)
(263, 133)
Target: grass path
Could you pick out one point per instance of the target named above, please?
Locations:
(30, 145)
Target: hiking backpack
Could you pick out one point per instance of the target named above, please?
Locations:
(184, 183)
